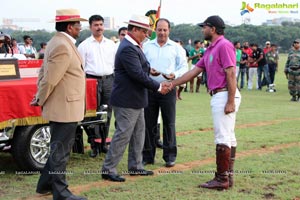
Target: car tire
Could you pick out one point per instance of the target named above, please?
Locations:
(31, 146)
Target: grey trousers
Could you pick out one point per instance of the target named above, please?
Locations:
(130, 129)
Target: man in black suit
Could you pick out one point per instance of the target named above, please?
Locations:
(129, 98)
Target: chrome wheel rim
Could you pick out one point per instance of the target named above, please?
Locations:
(40, 144)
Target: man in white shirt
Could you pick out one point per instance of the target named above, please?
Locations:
(168, 61)
(28, 50)
(98, 54)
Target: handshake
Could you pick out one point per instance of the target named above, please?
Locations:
(166, 87)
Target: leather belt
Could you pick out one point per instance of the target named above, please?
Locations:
(99, 77)
(213, 92)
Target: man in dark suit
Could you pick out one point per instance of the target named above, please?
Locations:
(129, 98)
(61, 93)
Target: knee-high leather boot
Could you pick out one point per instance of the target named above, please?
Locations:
(231, 166)
(220, 181)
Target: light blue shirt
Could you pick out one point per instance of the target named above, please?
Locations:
(166, 59)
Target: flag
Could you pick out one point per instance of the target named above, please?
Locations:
(158, 11)
(153, 15)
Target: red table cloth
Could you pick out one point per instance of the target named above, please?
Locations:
(15, 96)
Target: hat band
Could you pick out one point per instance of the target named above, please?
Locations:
(65, 17)
(139, 23)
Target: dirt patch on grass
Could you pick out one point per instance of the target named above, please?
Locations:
(269, 196)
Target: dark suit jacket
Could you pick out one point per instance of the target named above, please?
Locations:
(131, 77)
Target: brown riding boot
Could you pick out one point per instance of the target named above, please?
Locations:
(220, 181)
(231, 166)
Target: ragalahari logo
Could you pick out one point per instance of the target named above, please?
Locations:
(246, 8)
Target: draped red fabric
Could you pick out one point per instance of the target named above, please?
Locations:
(15, 96)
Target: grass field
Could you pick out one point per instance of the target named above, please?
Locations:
(267, 164)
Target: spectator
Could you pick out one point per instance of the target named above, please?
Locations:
(28, 50)
(272, 60)
(5, 43)
(181, 87)
(238, 53)
(292, 71)
(262, 68)
(122, 33)
(243, 68)
(248, 51)
(194, 55)
(42, 50)
(267, 48)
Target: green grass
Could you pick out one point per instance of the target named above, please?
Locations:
(264, 120)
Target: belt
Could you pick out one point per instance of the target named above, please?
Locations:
(99, 77)
(213, 92)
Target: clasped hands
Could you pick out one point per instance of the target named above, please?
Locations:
(166, 87)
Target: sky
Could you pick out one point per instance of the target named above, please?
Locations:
(37, 14)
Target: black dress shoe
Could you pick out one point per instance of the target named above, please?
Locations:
(45, 190)
(159, 144)
(113, 177)
(170, 164)
(103, 149)
(94, 152)
(140, 172)
(148, 162)
(73, 197)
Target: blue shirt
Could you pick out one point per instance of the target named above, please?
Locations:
(166, 59)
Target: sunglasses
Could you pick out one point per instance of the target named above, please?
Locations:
(123, 34)
(144, 30)
(296, 42)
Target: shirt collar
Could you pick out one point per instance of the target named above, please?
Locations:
(94, 39)
(132, 39)
(169, 42)
(217, 40)
(69, 36)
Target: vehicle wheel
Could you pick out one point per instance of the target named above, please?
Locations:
(31, 146)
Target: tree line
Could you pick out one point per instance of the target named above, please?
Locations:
(283, 35)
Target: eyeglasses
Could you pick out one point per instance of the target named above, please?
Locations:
(144, 30)
(296, 42)
(123, 34)
(77, 25)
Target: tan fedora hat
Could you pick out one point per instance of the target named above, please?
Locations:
(68, 15)
(140, 21)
